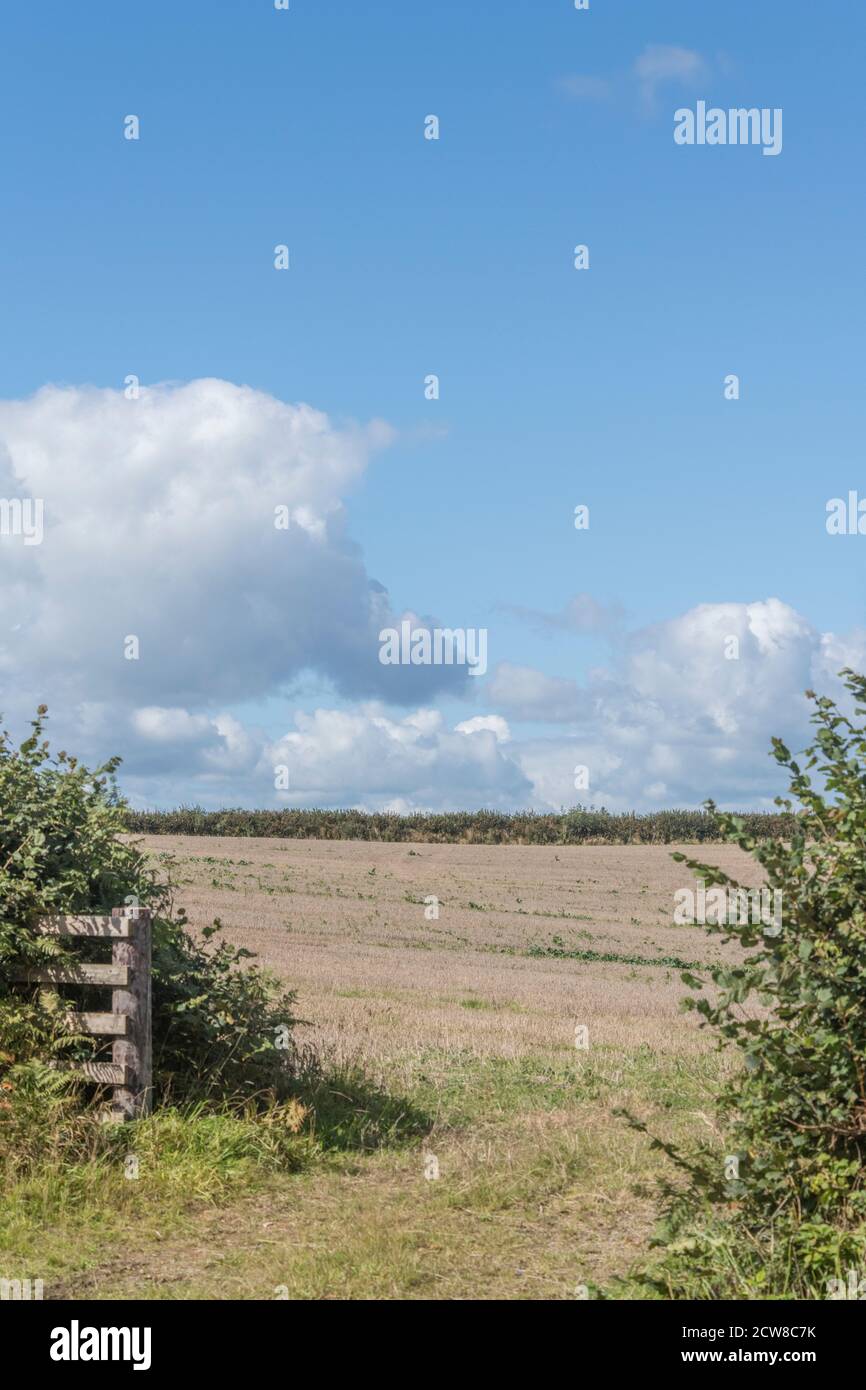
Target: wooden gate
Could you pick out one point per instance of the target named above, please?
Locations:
(128, 1024)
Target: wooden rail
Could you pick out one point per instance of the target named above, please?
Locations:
(128, 1024)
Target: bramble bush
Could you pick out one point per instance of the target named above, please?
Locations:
(789, 1212)
(221, 1027)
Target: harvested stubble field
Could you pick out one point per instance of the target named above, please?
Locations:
(470, 1019)
(456, 1039)
(529, 942)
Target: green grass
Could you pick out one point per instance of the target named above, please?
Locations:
(103, 1179)
(229, 1204)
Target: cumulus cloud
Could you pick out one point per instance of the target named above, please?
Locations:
(159, 524)
(361, 757)
(494, 722)
(528, 694)
(373, 758)
(684, 663)
(686, 712)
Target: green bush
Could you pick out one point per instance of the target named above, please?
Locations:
(786, 1201)
(220, 1027)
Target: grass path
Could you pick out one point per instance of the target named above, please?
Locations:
(384, 1232)
(540, 1190)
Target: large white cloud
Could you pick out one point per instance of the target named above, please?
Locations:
(159, 524)
(687, 710)
(372, 759)
(683, 714)
(361, 757)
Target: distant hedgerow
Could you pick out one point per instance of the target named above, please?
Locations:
(575, 827)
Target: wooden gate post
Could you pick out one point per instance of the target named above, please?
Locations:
(133, 1098)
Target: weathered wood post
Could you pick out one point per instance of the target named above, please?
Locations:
(132, 1051)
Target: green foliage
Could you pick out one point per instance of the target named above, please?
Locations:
(576, 827)
(218, 1029)
(795, 1008)
(59, 845)
(614, 957)
(67, 1173)
(59, 851)
(723, 1259)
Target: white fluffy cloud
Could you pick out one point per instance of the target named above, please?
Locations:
(159, 524)
(687, 712)
(371, 759)
(359, 757)
(494, 722)
(674, 721)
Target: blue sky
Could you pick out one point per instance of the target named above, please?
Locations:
(454, 257)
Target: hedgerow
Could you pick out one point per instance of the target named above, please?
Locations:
(575, 827)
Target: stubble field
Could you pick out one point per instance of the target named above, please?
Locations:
(467, 1148)
(529, 942)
